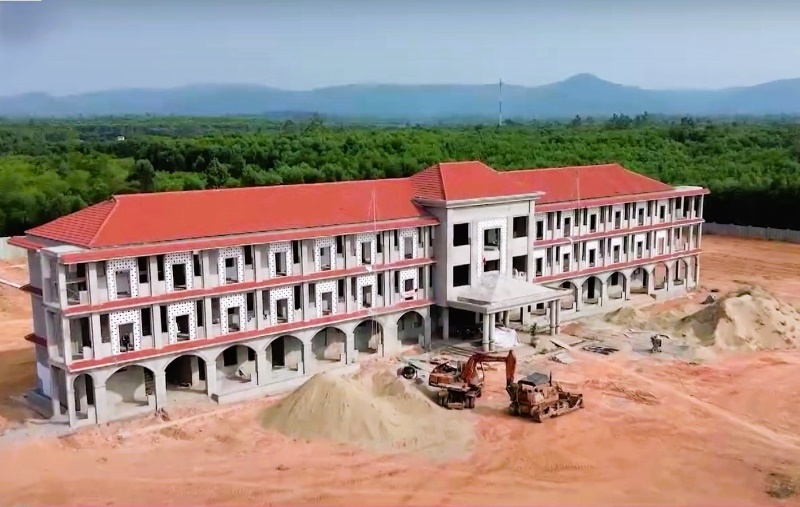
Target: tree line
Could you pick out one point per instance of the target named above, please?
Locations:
(54, 167)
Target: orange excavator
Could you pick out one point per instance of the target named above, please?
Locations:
(460, 384)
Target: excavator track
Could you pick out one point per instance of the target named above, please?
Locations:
(561, 407)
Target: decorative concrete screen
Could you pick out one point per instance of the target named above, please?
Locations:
(286, 293)
(233, 252)
(116, 319)
(176, 310)
(405, 233)
(233, 301)
(408, 274)
(366, 281)
(370, 238)
(319, 244)
(275, 248)
(322, 288)
(129, 265)
(184, 258)
(499, 223)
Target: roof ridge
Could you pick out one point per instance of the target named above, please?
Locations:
(115, 203)
(531, 169)
(257, 187)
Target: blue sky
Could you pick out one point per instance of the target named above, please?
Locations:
(71, 46)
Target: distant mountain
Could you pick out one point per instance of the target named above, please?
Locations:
(583, 94)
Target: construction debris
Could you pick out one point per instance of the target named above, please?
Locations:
(562, 357)
(600, 349)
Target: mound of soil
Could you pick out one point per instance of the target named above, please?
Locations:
(751, 319)
(627, 317)
(378, 412)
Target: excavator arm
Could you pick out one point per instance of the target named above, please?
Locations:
(470, 369)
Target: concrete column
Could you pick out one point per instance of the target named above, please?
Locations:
(650, 281)
(552, 317)
(507, 318)
(91, 283)
(258, 273)
(697, 271)
(445, 323)
(209, 317)
(308, 359)
(211, 377)
(558, 317)
(603, 293)
(160, 379)
(100, 403)
(96, 335)
(71, 411)
(526, 317)
(579, 298)
(626, 288)
(260, 321)
(55, 402)
(82, 404)
(155, 320)
(194, 364)
(263, 368)
(486, 333)
(492, 321)
(350, 348)
(62, 334)
(426, 322)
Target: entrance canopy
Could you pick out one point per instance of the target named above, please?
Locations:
(498, 293)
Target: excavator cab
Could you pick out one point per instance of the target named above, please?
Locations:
(461, 383)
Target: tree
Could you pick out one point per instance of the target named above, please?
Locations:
(217, 174)
(144, 174)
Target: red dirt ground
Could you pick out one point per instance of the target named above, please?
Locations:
(652, 433)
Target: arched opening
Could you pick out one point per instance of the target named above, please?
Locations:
(680, 272)
(129, 391)
(639, 281)
(368, 338)
(186, 376)
(83, 387)
(236, 365)
(660, 276)
(411, 329)
(285, 356)
(568, 302)
(616, 285)
(329, 345)
(592, 291)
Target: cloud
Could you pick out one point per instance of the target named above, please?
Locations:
(23, 23)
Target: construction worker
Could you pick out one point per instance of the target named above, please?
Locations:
(655, 340)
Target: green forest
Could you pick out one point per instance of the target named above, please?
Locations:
(49, 168)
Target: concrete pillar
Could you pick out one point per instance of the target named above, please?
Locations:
(208, 321)
(626, 287)
(557, 307)
(158, 333)
(650, 281)
(445, 323)
(263, 368)
(507, 318)
(696, 271)
(71, 412)
(55, 402)
(308, 359)
(603, 293)
(260, 321)
(96, 335)
(552, 316)
(350, 348)
(579, 297)
(525, 316)
(160, 379)
(81, 394)
(486, 333)
(426, 322)
(211, 377)
(100, 403)
(492, 321)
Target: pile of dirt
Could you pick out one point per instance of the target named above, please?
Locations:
(751, 319)
(376, 411)
(627, 317)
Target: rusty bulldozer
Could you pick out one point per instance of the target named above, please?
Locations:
(538, 397)
(535, 396)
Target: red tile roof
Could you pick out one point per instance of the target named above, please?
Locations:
(170, 216)
(457, 181)
(561, 184)
(167, 216)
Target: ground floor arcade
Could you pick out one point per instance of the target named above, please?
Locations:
(225, 372)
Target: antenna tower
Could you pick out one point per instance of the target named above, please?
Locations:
(500, 105)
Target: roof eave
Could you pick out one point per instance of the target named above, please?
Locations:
(464, 203)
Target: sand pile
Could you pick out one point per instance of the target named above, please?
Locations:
(627, 317)
(376, 411)
(751, 319)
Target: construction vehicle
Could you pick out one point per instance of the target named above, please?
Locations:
(460, 384)
(538, 397)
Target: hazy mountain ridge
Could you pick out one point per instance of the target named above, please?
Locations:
(583, 94)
